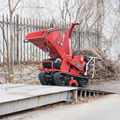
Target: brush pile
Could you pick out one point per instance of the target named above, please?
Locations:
(106, 69)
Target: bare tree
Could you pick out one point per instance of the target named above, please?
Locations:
(12, 5)
(90, 16)
(111, 43)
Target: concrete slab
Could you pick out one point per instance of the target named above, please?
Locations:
(17, 97)
(105, 108)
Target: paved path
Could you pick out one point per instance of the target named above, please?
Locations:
(110, 86)
(107, 108)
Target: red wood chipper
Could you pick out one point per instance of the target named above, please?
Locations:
(62, 69)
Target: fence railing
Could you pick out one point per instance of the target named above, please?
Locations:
(27, 52)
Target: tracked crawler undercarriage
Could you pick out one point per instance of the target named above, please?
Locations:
(61, 79)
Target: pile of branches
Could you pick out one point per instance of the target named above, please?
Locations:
(106, 69)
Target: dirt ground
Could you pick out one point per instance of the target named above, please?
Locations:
(22, 74)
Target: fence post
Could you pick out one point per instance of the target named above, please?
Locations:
(3, 22)
(17, 37)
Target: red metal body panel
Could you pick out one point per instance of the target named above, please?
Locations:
(49, 41)
(67, 39)
(74, 82)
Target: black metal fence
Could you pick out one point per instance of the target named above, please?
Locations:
(27, 52)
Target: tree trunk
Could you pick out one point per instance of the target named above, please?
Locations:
(10, 53)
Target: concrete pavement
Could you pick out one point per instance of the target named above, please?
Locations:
(106, 108)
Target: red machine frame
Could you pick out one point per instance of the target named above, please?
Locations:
(52, 42)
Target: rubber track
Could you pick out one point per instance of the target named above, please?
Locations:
(57, 79)
(41, 77)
